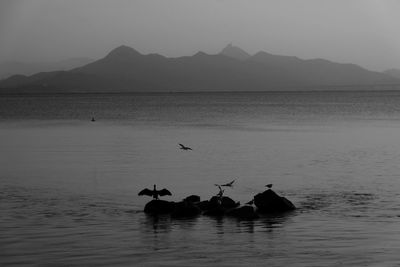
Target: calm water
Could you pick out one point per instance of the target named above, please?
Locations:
(68, 187)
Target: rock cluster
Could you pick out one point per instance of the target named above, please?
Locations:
(265, 202)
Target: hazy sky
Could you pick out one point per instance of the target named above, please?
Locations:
(365, 32)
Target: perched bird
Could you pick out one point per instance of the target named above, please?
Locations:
(269, 186)
(230, 184)
(184, 147)
(155, 193)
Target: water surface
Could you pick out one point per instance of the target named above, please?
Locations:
(69, 186)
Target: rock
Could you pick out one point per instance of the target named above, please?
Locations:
(211, 207)
(269, 201)
(159, 207)
(203, 205)
(229, 203)
(215, 211)
(226, 202)
(192, 199)
(244, 212)
(214, 202)
(206, 205)
(185, 209)
(218, 206)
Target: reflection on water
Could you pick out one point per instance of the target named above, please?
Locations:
(68, 187)
(162, 225)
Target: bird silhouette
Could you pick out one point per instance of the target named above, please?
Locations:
(184, 147)
(269, 186)
(221, 191)
(230, 184)
(155, 193)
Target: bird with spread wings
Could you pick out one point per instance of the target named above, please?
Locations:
(230, 184)
(155, 193)
(183, 147)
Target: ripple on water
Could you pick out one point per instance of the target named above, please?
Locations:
(59, 228)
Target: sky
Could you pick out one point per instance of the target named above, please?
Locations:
(364, 32)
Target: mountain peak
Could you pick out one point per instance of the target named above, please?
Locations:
(122, 52)
(200, 54)
(234, 52)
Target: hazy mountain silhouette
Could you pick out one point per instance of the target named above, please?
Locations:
(126, 70)
(10, 68)
(235, 52)
(393, 72)
(320, 71)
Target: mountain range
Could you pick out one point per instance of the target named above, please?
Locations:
(126, 70)
(393, 72)
(10, 68)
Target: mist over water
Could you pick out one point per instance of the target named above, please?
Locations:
(69, 186)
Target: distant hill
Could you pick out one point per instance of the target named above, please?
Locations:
(393, 72)
(126, 70)
(235, 52)
(315, 72)
(10, 68)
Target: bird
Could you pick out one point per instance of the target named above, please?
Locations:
(93, 120)
(184, 147)
(221, 191)
(230, 184)
(269, 186)
(155, 193)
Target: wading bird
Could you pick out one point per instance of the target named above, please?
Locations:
(155, 193)
(184, 147)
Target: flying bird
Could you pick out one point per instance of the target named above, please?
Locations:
(269, 185)
(155, 193)
(230, 184)
(184, 147)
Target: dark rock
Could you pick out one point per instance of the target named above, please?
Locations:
(192, 199)
(185, 209)
(269, 201)
(244, 212)
(225, 202)
(159, 207)
(212, 205)
(217, 210)
(217, 206)
(214, 202)
(204, 205)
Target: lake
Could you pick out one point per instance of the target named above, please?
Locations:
(68, 186)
